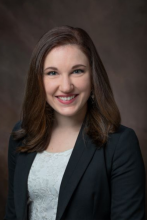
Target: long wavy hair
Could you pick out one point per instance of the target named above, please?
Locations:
(102, 115)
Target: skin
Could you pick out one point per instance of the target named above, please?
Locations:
(66, 80)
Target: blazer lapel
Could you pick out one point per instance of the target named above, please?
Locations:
(81, 156)
(22, 169)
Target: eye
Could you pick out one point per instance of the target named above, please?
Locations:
(78, 70)
(52, 73)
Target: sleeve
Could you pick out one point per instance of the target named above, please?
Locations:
(10, 207)
(128, 179)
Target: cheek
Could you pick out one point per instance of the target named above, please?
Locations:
(85, 84)
(48, 86)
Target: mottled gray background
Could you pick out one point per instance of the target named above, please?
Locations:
(119, 31)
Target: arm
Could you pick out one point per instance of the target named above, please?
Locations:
(128, 179)
(10, 207)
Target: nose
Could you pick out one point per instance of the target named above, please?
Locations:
(66, 84)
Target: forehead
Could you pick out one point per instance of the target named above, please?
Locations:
(65, 53)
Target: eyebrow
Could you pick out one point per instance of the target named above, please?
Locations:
(54, 68)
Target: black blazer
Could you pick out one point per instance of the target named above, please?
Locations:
(98, 183)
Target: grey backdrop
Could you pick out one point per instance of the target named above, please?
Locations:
(119, 31)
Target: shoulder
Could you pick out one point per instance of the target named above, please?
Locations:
(14, 143)
(123, 142)
(123, 134)
(123, 151)
(17, 126)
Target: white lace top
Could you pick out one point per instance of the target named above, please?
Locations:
(44, 182)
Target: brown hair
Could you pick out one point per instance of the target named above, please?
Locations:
(103, 116)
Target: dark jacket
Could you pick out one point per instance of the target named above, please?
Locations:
(98, 183)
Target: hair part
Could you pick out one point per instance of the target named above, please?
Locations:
(103, 116)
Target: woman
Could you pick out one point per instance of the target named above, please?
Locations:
(69, 157)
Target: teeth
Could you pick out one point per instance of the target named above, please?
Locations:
(66, 98)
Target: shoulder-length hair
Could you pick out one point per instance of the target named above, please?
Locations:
(103, 116)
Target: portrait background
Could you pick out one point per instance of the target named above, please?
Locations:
(117, 28)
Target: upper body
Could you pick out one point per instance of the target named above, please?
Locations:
(69, 103)
(98, 183)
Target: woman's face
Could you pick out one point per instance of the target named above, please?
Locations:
(67, 80)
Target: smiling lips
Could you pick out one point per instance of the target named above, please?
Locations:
(66, 99)
(69, 95)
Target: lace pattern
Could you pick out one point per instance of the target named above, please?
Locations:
(44, 182)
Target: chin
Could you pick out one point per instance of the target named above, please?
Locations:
(68, 113)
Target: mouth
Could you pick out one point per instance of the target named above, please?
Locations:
(67, 98)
